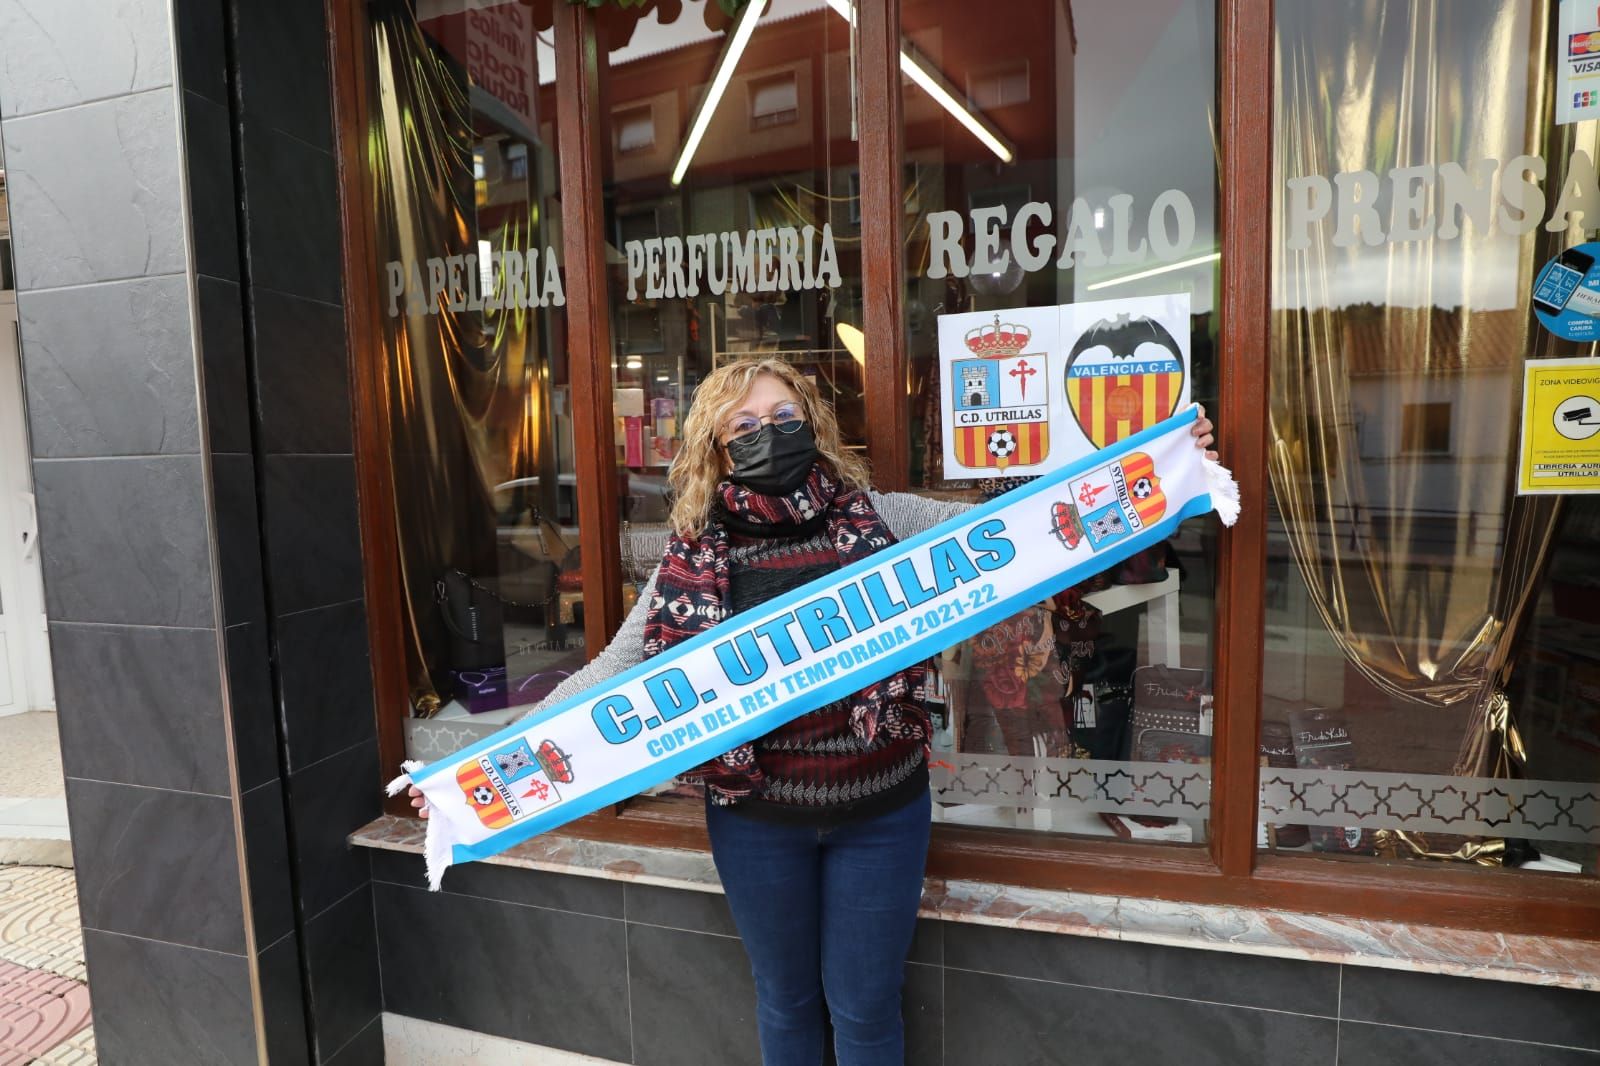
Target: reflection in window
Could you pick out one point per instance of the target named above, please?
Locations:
(736, 235)
(635, 129)
(773, 102)
(1425, 428)
(1089, 713)
(472, 345)
(1431, 645)
(998, 86)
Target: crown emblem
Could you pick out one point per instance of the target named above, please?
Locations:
(999, 340)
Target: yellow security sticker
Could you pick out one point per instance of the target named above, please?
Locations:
(1560, 427)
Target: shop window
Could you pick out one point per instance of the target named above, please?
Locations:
(709, 199)
(473, 362)
(1089, 714)
(1002, 85)
(1431, 690)
(774, 102)
(1425, 428)
(635, 130)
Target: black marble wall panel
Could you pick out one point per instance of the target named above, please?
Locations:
(342, 943)
(149, 691)
(298, 384)
(1361, 1044)
(365, 1050)
(583, 1007)
(94, 187)
(974, 995)
(91, 120)
(61, 55)
(124, 539)
(257, 125)
(162, 1003)
(111, 369)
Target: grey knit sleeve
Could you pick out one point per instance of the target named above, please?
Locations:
(626, 650)
(908, 514)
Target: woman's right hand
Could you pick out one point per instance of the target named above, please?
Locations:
(418, 800)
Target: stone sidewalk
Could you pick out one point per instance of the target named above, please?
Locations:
(44, 1001)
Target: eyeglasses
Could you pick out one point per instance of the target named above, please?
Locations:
(785, 418)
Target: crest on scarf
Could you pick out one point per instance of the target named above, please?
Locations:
(510, 783)
(1113, 502)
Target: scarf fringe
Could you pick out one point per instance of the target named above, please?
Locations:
(1224, 490)
(436, 848)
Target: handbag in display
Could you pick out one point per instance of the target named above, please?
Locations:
(1277, 752)
(491, 689)
(1097, 715)
(474, 616)
(1322, 742)
(1171, 719)
(1147, 567)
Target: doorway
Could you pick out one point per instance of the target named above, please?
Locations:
(25, 683)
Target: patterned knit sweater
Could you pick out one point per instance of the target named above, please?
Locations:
(817, 771)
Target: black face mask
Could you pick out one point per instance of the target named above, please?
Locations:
(772, 462)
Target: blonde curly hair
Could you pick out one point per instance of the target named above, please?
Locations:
(699, 466)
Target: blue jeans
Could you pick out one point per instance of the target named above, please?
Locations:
(827, 917)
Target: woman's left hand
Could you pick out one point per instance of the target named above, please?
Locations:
(1203, 433)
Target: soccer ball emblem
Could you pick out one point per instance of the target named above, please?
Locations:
(1002, 444)
(483, 795)
(1142, 488)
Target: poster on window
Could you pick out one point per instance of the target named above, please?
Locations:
(1560, 449)
(1578, 64)
(1028, 390)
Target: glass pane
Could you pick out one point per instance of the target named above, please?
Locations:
(731, 200)
(1061, 179)
(468, 221)
(1433, 681)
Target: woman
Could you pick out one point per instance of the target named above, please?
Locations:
(819, 829)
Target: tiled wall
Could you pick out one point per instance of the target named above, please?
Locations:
(259, 114)
(103, 120)
(91, 121)
(277, 290)
(657, 977)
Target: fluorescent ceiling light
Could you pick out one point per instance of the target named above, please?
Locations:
(719, 85)
(485, 267)
(932, 84)
(1165, 268)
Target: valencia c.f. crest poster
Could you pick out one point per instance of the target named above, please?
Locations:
(1028, 390)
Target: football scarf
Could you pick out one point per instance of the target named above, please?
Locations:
(820, 643)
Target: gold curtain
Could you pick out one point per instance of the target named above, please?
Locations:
(464, 388)
(1422, 566)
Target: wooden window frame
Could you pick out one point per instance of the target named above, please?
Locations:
(1230, 870)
